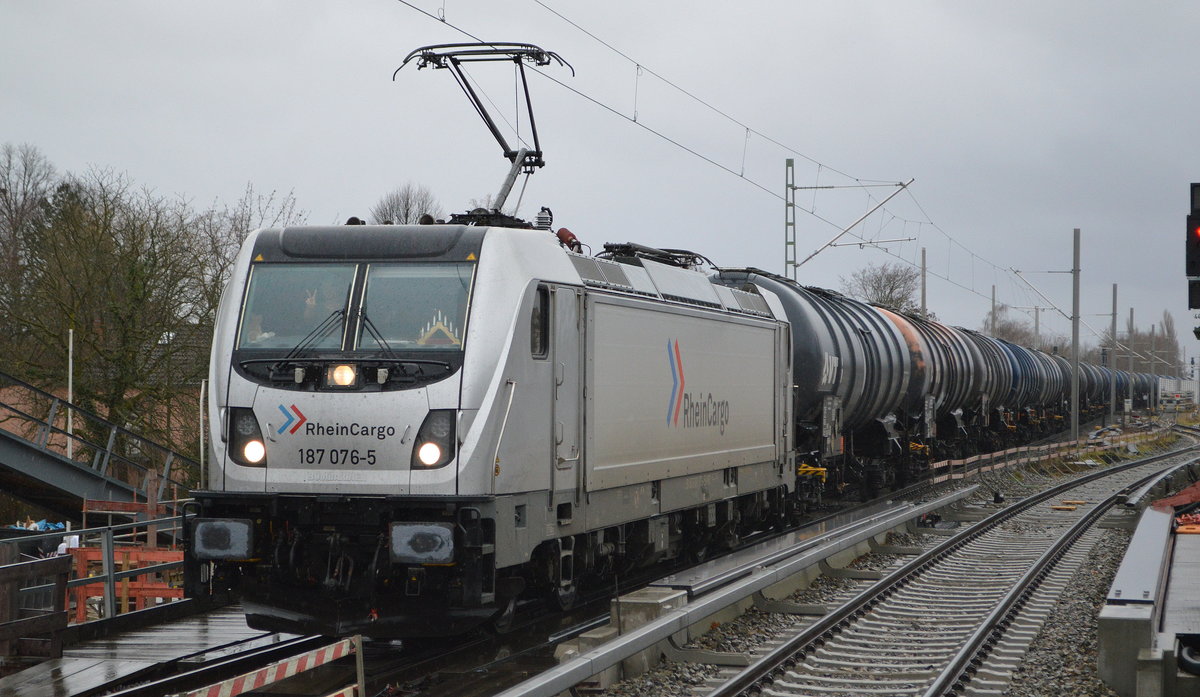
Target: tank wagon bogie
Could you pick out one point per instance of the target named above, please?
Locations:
(416, 426)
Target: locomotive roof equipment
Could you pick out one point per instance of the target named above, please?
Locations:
(524, 160)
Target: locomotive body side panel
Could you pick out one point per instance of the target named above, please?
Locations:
(507, 384)
(674, 391)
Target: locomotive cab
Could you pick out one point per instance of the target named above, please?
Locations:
(339, 409)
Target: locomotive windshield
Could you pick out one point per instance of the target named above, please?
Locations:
(415, 306)
(402, 306)
(285, 303)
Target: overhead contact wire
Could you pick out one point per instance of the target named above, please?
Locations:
(812, 212)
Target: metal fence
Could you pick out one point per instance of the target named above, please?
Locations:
(55, 426)
(115, 569)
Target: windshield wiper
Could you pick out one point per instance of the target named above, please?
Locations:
(319, 332)
(374, 332)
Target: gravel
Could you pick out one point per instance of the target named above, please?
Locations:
(753, 628)
(1062, 658)
(668, 679)
(1060, 661)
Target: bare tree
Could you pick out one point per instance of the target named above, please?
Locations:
(488, 202)
(406, 205)
(1003, 326)
(26, 181)
(136, 275)
(1156, 350)
(891, 285)
(122, 297)
(220, 231)
(1170, 353)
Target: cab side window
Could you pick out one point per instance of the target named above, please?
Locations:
(539, 324)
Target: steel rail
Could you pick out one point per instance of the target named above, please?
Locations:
(961, 668)
(567, 675)
(797, 647)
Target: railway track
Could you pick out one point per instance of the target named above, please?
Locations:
(954, 620)
(491, 665)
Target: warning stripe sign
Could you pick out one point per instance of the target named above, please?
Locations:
(277, 671)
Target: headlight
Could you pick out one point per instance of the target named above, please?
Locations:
(214, 538)
(429, 454)
(246, 445)
(341, 375)
(254, 451)
(434, 446)
(422, 543)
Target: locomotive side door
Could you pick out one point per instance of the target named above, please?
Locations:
(567, 344)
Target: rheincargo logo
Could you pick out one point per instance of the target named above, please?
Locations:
(677, 387)
(299, 419)
(698, 410)
(350, 429)
(296, 419)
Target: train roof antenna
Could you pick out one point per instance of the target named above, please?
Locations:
(452, 56)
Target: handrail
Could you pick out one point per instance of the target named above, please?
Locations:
(110, 538)
(50, 622)
(125, 457)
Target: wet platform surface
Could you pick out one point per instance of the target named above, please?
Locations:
(92, 664)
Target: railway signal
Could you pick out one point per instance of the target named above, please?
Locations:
(1192, 258)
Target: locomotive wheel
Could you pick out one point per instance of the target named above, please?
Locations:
(564, 598)
(697, 542)
(560, 596)
(502, 623)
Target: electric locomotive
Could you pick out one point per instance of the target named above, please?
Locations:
(415, 425)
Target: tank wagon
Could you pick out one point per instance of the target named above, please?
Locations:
(880, 394)
(414, 427)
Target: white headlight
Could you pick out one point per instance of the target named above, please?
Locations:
(342, 375)
(429, 454)
(254, 451)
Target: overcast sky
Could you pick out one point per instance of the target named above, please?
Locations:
(1018, 121)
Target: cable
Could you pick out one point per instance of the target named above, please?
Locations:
(748, 131)
(627, 118)
(641, 67)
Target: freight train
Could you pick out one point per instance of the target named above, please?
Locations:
(416, 426)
